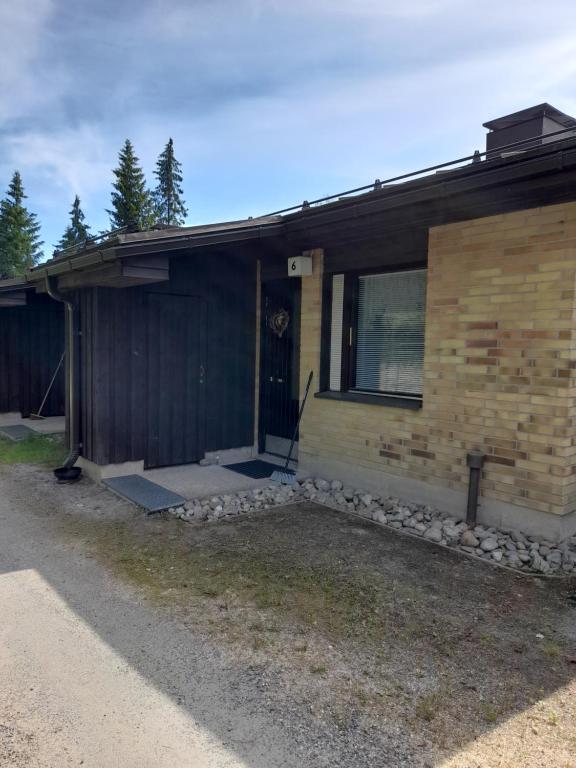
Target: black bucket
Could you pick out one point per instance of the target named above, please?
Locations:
(68, 474)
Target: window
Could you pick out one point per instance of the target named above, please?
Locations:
(377, 333)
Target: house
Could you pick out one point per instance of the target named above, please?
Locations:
(31, 348)
(436, 311)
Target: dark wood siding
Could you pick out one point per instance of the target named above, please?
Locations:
(10, 358)
(115, 363)
(408, 246)
(113, 374)
(176, 379)
(31, 344)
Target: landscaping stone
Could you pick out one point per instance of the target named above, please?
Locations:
(544, 550)
(468, 540)
(379, 516)
(511, 548)
(434, 534)
(554, 559)
(539, 564)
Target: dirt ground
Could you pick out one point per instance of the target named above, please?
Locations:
(348, 644)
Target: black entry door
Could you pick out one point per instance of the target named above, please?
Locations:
(279, 366)
(176, 379)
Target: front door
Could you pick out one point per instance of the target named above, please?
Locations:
(279, 367)
(176, 379)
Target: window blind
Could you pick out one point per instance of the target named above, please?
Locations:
(336, 333)
(390, 332)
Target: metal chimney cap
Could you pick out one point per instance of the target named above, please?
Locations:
(539, 110)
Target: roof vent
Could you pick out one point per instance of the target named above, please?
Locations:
(532, 123)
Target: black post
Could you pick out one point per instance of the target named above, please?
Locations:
(474, 460)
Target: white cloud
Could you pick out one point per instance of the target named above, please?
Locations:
(76, 161)
(23, 30)
(268, 101)
(55, 167)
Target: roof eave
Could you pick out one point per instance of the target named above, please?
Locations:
(122, 248)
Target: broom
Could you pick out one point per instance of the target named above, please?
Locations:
(38, 415)
(288, 476)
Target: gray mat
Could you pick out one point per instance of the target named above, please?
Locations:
(17, 432)
(256, 468)
(144, 493)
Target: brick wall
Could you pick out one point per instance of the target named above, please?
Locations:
(498, 369)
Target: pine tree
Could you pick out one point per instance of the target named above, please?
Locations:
(131, 202)
(19, 232)
(77, 231)
(169, 206)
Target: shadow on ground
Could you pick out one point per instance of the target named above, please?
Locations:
(343, 644)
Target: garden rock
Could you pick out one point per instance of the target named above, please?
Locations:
(379, 516)
(539, 564)
(469, 540)
(434, 534)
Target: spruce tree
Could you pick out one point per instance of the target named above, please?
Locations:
(131, 202)
(19, 232)
(168, 204)
(77, 231)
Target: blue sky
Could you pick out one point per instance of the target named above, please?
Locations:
(269, 102)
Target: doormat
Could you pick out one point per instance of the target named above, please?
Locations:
(17, 432)
(144, 493)
(256, 469)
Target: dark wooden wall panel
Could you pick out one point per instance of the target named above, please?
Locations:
(231, 354)
(46, 343)
(113, 372)
(408, 246)
(31, 344)
(10, 358)
(115, 364)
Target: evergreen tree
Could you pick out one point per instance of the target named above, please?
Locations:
(77, 231)
(169, 206)
(131, 202)
(19, 232)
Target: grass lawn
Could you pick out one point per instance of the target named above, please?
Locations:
(368, 627)
(41, 450)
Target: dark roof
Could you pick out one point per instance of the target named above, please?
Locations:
(540, 110)
(13, 284)
(192, 232)
(123, 236)
(447, 179)
(119, 244)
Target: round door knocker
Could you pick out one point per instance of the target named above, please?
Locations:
(279, 321)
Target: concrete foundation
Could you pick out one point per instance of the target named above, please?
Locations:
(97, 472)
(504, 516)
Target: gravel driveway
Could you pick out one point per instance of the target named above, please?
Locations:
(298, 637)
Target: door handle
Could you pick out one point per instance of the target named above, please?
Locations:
(202, 374)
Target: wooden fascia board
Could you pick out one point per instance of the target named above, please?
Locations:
(442, 187)
(15, 299)
(201, 241)
(121, 273)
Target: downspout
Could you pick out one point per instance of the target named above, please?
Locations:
(71, 389)
(475, 461)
